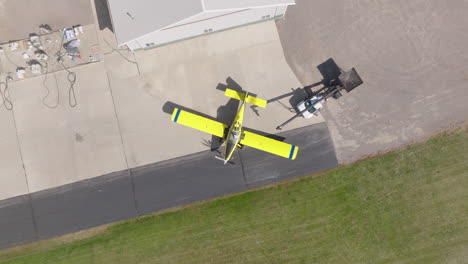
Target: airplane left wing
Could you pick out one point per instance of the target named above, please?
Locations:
(199, 122)
(269, 145)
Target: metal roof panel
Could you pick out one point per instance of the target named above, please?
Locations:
(133, 19)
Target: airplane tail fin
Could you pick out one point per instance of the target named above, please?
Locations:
(242, 97)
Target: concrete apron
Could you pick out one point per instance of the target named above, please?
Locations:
(123, 115)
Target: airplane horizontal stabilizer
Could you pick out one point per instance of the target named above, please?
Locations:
(241, 96)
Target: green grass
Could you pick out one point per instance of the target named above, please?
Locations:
(409, 206)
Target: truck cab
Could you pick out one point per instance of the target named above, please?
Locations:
(312, 110)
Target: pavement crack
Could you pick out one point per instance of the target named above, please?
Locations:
(130, 174)
(243, 169)
(30, 202)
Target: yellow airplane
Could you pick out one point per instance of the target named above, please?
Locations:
(234, 135)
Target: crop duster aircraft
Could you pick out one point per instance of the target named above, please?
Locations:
(235, 136)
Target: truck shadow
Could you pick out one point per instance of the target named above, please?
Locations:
(329, 71)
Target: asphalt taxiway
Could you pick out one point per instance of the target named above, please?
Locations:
(142, 190)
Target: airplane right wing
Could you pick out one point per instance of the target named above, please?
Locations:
(269, 145)
(199, 122)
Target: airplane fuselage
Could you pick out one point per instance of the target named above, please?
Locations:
(234, 135)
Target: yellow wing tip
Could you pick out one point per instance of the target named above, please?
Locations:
(294, 150)
(175, 115)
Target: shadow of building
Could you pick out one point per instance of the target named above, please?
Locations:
(103, 15)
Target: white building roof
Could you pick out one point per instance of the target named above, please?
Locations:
(135, 18)
(215, 5)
